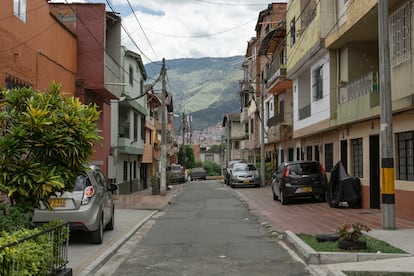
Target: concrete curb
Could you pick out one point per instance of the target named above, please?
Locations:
(105, 256)
(310, 256)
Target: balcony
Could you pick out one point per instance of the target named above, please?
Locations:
(244, 116)
(366, 84)
(358, 99)
(277, 133)
(113, 81)
(276, 72)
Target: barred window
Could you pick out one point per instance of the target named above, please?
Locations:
(317, 84)
(400, 34)
(328, 156)
(357, 157)
(405, 152)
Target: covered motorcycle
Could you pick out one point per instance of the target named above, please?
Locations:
(343, 190)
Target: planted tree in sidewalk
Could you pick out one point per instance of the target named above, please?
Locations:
(46, 140)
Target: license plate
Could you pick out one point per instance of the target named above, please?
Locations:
(246, 181)
(57, 202)
(307, 190)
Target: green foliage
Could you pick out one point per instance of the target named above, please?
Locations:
(212, 169)
(268, 167)
(36, 254)
(47, 138)
(13, 218)
(189, 160)
(373, 245)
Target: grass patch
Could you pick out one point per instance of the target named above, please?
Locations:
(374, 273)
(373, 245)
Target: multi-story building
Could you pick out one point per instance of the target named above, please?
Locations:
(128, 126)
(235, 137)
(276, 89)
(31, 45)
(99, 64)
(353, 44)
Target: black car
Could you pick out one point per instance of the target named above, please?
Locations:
(198, 174)
(228, 169)
(299, 179)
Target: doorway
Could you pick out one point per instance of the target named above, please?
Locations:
(344, 153)
(374, 172)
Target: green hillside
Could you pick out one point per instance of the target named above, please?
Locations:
(206, 88)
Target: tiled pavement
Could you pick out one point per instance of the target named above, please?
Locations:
(307, 216)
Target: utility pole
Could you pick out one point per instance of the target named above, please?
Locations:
(163, 184)
(184, 129)
(262, 133)
(387, 161)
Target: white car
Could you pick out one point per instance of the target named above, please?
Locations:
(90, 207)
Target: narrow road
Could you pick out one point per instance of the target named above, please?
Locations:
(205, 231)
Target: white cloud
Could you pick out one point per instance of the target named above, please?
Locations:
(189, 28)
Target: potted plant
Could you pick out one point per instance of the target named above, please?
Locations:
(155, 185)
(350, 236)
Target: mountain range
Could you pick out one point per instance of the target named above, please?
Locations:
(204, 88)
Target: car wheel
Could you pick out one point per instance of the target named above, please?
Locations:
(111, 223)
(283, 199)
(97, 235)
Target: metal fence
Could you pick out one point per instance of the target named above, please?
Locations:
(43, 253)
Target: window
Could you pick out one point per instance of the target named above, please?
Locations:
(328, 156)
(141, 87)
(251, 125)
(309, 153)
(400, 34)
(317, 153)
(357, 157)
(292, 32)
(131, 75)
(405, 156)
(308, 8)
(19, 9)
(136, 127)
(236, 144)
(135, 169)
(282, 156)
(290, 153)
(125, 170)
(317, 83)
(143, 128)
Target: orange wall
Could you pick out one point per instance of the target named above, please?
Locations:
(38, 51)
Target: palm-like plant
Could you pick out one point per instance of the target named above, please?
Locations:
(46, 139)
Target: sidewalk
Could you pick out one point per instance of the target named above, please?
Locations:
(318, 218)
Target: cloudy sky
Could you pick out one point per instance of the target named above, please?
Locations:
(174, 29)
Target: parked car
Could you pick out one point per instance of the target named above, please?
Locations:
(244, 174)
(228, 169)
(198, 173)
(299, 179)
(89, 207)
(176, 173)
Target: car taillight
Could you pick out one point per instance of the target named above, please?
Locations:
(286, 172)
(87, 194)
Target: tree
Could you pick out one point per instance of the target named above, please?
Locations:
(46, 140)
(189, 160)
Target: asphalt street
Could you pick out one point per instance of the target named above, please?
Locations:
(205, 231)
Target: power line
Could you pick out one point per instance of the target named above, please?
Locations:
(231, 4)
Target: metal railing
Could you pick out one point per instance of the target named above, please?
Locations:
(366, 84)
(20, 257)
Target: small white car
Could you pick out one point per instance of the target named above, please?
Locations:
(89, 207)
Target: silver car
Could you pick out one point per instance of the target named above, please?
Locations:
(244, 174)
(90, 207)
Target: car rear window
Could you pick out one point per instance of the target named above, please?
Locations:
(304, 169)
(81, 183)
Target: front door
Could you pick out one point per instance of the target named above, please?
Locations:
(374, 172)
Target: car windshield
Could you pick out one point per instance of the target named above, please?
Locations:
(304, 168)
